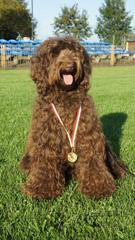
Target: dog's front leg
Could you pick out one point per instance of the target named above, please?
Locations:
(45, 180)
(90, 170)
(93, 179)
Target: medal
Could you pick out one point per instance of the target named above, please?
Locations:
(72, 157)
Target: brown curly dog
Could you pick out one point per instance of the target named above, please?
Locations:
(61, 70)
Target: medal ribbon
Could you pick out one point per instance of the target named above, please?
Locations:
(76, 123)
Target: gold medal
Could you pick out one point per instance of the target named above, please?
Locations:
(72, 157)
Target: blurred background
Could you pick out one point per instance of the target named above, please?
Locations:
(106, 28)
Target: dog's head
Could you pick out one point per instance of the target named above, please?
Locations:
(63, 63)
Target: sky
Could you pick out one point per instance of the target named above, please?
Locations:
(46, 10)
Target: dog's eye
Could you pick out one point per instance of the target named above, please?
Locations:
(55, 51)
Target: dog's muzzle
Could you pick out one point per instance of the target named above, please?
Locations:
(68, 74)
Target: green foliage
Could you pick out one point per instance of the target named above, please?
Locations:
(72, 22)
(71, 216)
(15, 19)
(131, 36)
(114, 22)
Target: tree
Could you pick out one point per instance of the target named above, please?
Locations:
(72, 22)
(131, 36)
(114, 22)
(15, 19)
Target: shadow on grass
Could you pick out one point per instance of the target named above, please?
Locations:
(112, 127)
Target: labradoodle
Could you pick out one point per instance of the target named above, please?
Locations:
(66, 137)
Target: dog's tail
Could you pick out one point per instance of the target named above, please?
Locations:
(117, 167)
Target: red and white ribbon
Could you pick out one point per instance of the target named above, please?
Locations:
(75, 127)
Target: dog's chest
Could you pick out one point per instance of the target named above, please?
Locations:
(67, 114)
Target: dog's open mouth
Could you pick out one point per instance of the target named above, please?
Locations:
(68, 76)
(68, 79)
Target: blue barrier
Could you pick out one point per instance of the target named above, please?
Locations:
(28, 47)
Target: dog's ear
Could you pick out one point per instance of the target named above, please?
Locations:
(39, 73)
(87, 67)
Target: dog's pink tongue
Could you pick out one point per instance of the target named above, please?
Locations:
(68, 79)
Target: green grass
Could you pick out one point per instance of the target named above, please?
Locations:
(71, 216)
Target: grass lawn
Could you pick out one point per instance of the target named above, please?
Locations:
(71, 216)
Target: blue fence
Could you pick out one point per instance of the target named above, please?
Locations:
(28, 48)
(20, 47)
(103, 48)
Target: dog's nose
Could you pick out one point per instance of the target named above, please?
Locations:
(70, 67)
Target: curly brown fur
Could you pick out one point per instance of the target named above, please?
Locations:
(47, 148)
